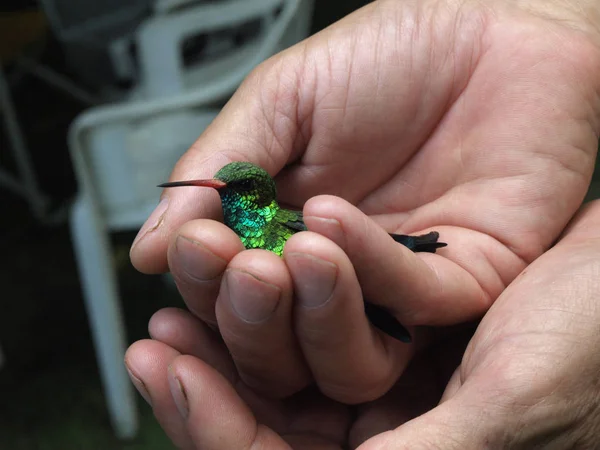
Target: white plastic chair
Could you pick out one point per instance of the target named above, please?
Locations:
(121, 151)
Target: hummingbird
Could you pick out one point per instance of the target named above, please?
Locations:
(250, 208)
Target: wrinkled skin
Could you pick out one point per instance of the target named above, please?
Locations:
(478, 120)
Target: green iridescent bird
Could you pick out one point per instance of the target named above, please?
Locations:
(249, 201)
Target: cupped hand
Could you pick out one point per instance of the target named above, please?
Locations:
(478, 120)
(528, 378)
(189, 378)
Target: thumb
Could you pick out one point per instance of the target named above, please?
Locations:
(460, 423)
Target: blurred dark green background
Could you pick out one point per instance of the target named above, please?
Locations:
(50, 392)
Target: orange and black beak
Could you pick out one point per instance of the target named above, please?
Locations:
(211, 183)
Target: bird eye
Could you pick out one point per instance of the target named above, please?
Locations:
(246, 184)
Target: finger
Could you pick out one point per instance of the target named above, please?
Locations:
(189, 336)
(415, 393)
(584, 226)
(453, 425)
(308, 413)
(421, 289)
(350, 361)
(254, 312)
(215, 416)
(418, 390)
(198, 256)
(147, 363)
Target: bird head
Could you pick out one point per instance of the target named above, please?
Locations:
(238, 181)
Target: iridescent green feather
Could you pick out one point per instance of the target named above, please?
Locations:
(251, 210)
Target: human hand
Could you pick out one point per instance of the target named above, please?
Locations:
(426, 115)
(528, 379)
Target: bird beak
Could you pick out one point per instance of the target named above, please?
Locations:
(211, 183)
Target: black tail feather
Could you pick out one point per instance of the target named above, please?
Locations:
(386, 322)
(423, 243)
(382, 318)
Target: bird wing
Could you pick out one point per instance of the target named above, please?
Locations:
(291, 219)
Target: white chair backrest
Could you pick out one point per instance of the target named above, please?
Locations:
(122, 151)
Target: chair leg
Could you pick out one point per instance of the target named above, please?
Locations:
(100, 291)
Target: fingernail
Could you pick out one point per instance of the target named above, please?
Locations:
(251, 298)
(139, 385)
(178, 393)
(198, 261)
(314, 279)
(330, 228)
(153, 222)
